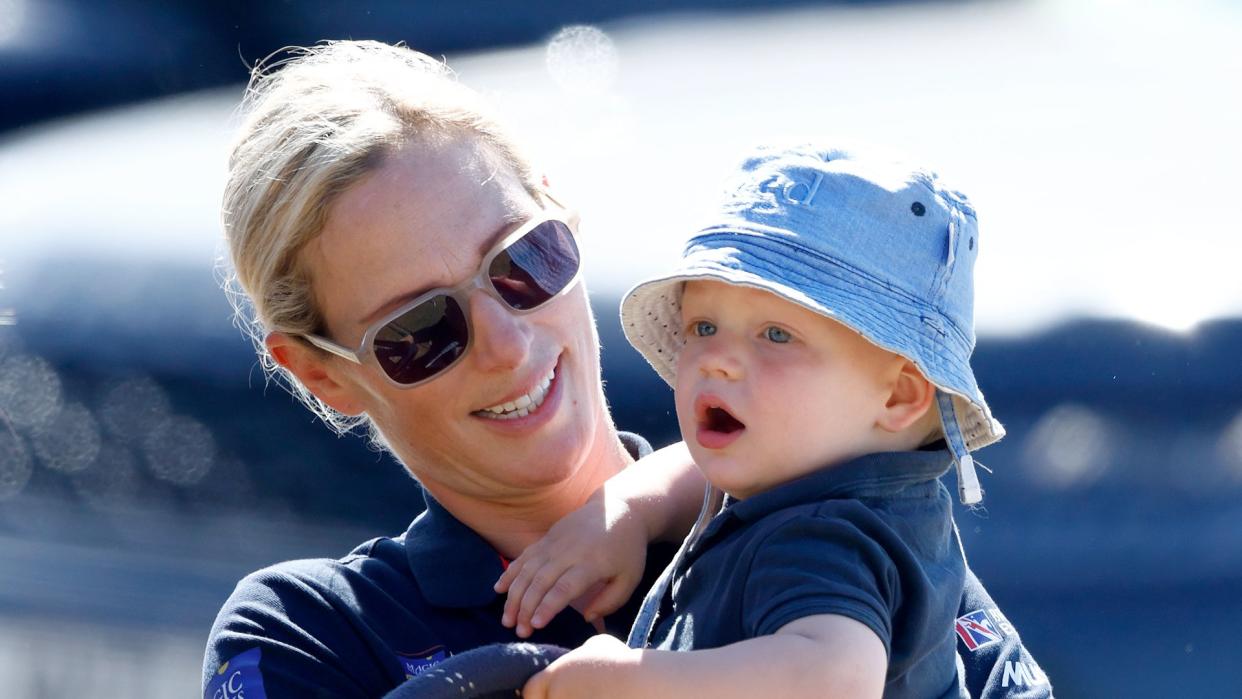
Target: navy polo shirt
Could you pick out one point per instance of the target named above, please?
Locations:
(871, 539)
(361, 625)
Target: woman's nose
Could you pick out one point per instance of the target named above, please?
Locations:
(502, 338)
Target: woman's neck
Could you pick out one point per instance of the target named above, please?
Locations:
(514, 521)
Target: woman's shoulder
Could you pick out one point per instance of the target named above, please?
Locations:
(375, 562)
(319, 619)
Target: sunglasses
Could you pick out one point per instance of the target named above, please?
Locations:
(425, 337)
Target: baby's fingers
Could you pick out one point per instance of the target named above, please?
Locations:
(517, 589)
(609, 599)
(539, 610)
(520, 576)
(534, 588)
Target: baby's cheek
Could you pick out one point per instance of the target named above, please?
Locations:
(683, 405)
(683, 382)
(685, 362)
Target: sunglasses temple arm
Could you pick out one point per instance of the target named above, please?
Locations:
(330, 346)
(571, 214)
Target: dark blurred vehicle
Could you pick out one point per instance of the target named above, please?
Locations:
(60, 57)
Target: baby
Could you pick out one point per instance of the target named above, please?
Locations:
(817, 335)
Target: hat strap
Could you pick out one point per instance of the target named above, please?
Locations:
(968, 488)
(644, 623)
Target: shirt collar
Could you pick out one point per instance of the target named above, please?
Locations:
(453, 565)
(873, 475)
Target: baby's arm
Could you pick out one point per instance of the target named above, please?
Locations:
(825, 655)
(601, 548)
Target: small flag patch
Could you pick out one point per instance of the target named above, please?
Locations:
(977, 630)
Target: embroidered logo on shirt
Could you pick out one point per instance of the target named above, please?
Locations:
(1021, 674)
(238, 678)
(978, 630)
(416, 664)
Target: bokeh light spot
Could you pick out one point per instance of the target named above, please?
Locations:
(1071, 446)
(15, 464)
(132, 408)
(180, 450)
(30, 390)
(68, 443)
(112, 481)
(1229, 447)
(582, 60)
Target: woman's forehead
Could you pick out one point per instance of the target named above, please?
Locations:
(435, 186)
(423, 219)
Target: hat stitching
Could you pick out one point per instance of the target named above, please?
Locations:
(853, 316)
(756, 243)
(761, 241)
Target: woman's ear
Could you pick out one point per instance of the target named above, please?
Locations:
(911, 397)
(314, 370)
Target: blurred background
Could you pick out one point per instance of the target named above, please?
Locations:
(146, 465)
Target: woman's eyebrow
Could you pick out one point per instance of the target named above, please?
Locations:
(511, 219)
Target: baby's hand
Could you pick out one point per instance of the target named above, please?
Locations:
(595, 556)
(597, 669)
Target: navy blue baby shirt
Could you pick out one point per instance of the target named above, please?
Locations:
(871, 539)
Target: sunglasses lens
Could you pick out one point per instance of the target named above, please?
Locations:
(423, 341)
(535, 267)
(430, 337)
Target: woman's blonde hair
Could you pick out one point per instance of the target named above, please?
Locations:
(314, 122)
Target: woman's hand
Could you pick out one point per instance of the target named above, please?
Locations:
(593, 557)
(598, 669)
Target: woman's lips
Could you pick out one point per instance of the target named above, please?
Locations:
(523, 404)
(523, 419)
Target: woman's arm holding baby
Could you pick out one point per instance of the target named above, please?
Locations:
(602, 547)
(825, 655)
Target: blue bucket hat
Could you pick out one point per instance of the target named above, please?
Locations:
(881, 247)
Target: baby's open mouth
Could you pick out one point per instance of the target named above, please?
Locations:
(717, 426)
(720, 420)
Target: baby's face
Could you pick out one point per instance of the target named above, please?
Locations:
(768, 391)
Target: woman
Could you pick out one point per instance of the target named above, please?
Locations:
(406, 270)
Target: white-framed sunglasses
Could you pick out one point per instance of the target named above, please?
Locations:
(421, 339)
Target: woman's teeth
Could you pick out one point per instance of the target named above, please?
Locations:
(522, 405)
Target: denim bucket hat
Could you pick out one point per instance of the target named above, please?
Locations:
(881, 247)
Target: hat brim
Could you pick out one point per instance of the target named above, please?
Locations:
(651, 320)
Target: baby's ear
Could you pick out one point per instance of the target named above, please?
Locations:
(911, 397)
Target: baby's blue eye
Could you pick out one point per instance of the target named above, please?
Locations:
(704, 328)
(776, 334)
